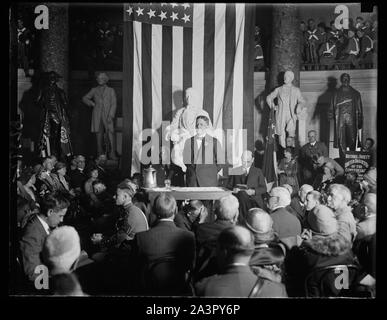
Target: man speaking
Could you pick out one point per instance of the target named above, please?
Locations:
(203, 156)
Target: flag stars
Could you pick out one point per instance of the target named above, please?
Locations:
(174, 16)
(163, 15)
(130, 10)
(185, 5)
(186, 18)
(174, 4)
(140, 11)
(151, 13)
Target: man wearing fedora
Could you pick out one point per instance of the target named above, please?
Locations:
(103, 100)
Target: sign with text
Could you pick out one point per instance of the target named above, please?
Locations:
(357, 161)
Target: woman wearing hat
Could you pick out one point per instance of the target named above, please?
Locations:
(269, 255)
(326, 245)
(61, 179)
(27, 201)
(326, 178)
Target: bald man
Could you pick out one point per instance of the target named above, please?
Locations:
(248, 185)
(290, 104)
(235, 246)
(298, 202)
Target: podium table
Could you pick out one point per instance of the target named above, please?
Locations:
(189, 193)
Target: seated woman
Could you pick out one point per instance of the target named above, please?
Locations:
(92, 174)
(61, 179)
(287, 170)
(43, 183)
(269, 254)
(325, 179)
(326, 244)
(27, 196)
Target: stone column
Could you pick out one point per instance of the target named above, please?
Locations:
(54, 46)
(285, 50)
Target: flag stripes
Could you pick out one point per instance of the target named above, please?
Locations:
(167, 73)
(157, 52)
(208, 62)
(209, 50)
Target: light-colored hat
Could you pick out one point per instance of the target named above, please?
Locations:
(322, 221)
(258, 221)
(62, 248)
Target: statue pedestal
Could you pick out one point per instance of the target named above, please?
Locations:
(301, 132)
(332, 152)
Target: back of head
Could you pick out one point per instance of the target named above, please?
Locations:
(306, 188)
(55, 201)
(61, 249)
(165, 206)
(227, 208)
(260, 224)
(236, 240)
(282, 194)
(128, 186)
(341, 189)
(322, 221)
(59, 165)
(315, 195)
(288, 187)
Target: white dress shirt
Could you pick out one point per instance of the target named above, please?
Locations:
(44, 224)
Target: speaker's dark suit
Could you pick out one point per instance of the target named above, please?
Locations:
(203, 163)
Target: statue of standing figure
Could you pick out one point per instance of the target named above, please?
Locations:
(55, 126)
(347, 110)
(183, 125)
(289, 108)
(104, 102)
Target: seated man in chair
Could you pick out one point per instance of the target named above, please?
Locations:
(248, 185)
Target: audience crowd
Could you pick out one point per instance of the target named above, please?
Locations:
(98, 233)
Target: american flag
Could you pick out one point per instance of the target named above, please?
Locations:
(169, 47)
(269, 166)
